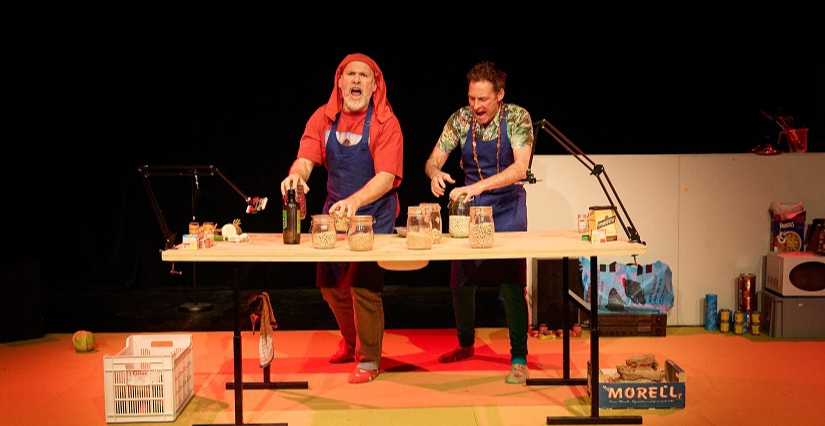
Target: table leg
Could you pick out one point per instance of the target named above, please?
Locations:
(594, 417)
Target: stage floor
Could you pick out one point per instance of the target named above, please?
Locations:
(731, 380)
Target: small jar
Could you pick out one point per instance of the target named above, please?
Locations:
(419, 229)
(194, 228)
(482, 229)
(208, 234)
(459, 220)
(341, 221)
(323, 231)
(360, 234)
(434, 210)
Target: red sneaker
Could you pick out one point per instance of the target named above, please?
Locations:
(457, 354)
(360, 375)
(342, 356)
(346, 353)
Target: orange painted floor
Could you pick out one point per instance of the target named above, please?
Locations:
(731, 380)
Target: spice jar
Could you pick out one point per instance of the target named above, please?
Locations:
(459, 220)
(482, 229)
(360, 234)
(323, 231)
(419, 229)
(434, 210)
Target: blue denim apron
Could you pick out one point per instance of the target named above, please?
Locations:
(349, 168)
(509, 210)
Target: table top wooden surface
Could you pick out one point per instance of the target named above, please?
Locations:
(269, 247)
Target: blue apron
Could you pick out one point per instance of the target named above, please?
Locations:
(509, 210)
(349, 168)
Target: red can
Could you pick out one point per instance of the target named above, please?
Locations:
(747, 292)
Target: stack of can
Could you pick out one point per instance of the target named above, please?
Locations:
(724, 320)
(755, 322)
(739, 323)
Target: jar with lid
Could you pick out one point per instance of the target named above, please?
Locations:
(459, 219)
(323, 231)
(360, 234)
(434, 210)
(419, 229)
(482, 228)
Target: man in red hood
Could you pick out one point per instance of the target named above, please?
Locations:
(357, 137)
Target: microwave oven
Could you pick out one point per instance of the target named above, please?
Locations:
(795, 274)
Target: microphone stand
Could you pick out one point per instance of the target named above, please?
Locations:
(595, 170)
(254, 205)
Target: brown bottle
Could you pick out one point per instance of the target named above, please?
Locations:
(292, 219)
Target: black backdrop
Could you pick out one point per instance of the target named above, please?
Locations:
(93, 94)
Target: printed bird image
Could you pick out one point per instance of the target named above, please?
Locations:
(614, 301)
(634, 291)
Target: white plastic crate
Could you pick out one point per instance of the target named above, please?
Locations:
(150, 380)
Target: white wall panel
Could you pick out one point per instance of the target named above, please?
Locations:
(704, 215)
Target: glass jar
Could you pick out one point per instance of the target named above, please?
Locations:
(434, 210)
(360, 234)
(419, 229)
(323, 231)
(482, 229)
(341, 221)
(459, 220)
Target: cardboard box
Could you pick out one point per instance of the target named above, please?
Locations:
(787, 232)
(669, 393)
(603, 219)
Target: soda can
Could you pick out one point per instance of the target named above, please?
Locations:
(755, 329)
(739, 317)
(724, 315)
(724, 326)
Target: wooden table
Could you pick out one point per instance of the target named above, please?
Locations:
(391, 252)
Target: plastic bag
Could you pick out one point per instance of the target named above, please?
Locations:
(635, 289)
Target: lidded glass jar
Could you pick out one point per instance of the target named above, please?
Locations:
(482, 229)
(459, 219)
(434, 210)
(323, 231)
(360, 234)
(419, 229)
